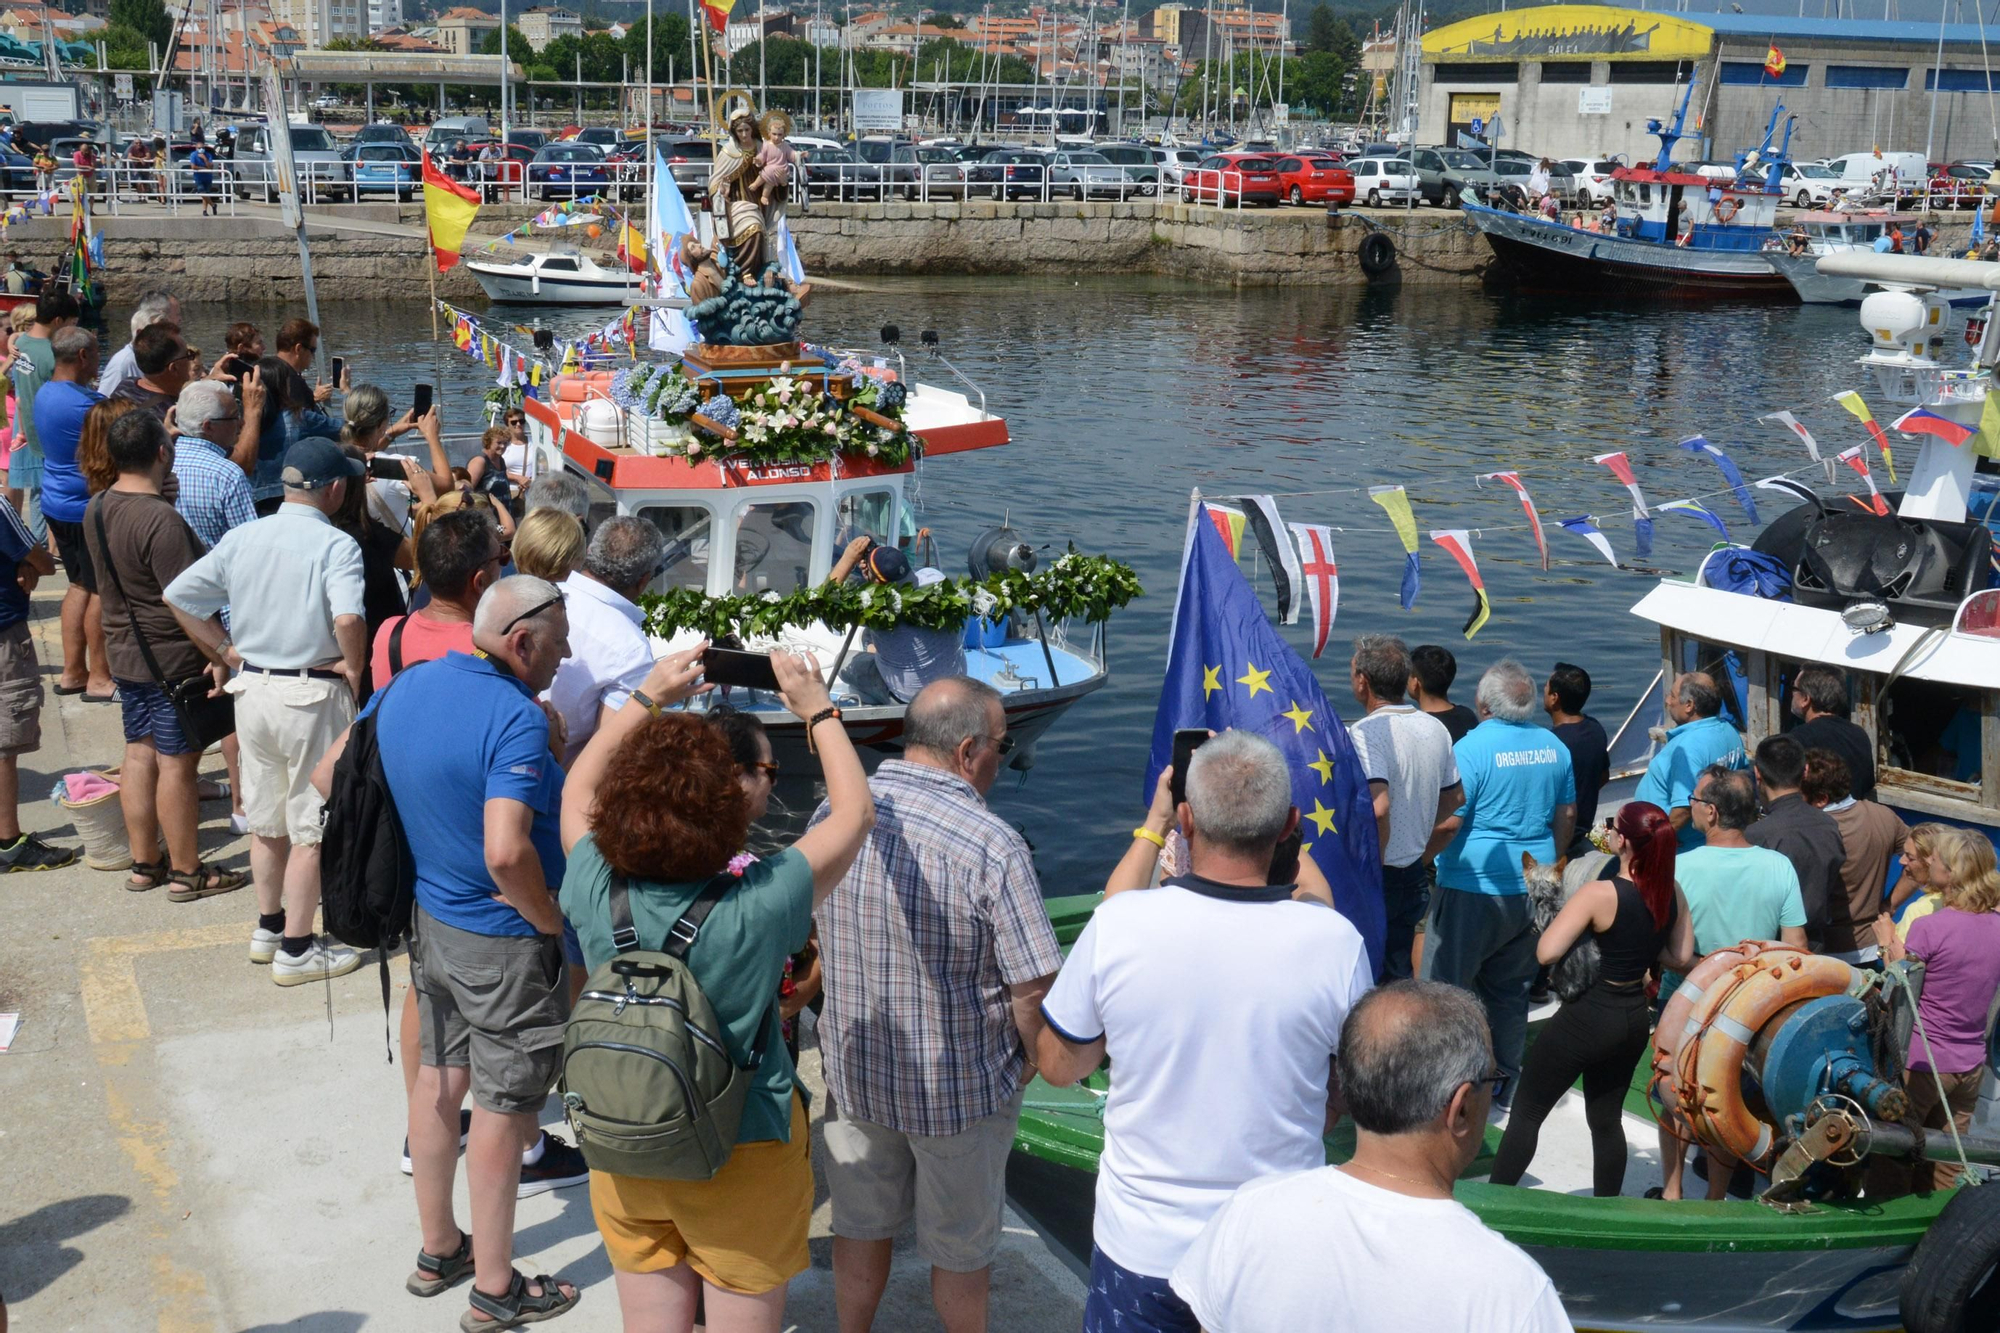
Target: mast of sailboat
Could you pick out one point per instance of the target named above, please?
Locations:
(651, 184)
(1937, 68)
(503, 92)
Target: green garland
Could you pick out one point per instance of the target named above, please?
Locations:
(1084, 587)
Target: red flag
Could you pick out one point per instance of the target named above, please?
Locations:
(1528, 505)
(1774, 61)
(1857, 459)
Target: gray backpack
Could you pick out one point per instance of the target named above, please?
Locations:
(647, 1080)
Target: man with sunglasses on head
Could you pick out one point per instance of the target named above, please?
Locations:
(165, 362)
(296, 640)
(610, 655)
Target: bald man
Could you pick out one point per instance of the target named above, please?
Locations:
(1701, 736)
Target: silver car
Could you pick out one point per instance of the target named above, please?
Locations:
(323, 174)
(1175, 163)
(1137, 159)
(944, 172)
(1086, 174)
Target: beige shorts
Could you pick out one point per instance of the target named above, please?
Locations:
(20, 692)
(284, 724)
(953, 1185)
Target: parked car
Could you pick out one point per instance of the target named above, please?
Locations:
(1011, 173)
(1140, 168)
(315, 155)
(567, 170)
(834, 172)
(1807, 185)
(325, 102)
(33, 134)
(944, 170)
(1593, 178)
(532, 140)
(1233, 179)
(17, 170)
(385, 168)
(1960, 185)
(897, 161)
(446, 128)
(1084, 174)
(1447, 175)
(1514, 174)
(689, 161)
(1384, 180)
(382, 131)
(1175, 163)
(602, 137)
(1312, 179)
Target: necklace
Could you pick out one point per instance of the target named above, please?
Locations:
(1420, 1184)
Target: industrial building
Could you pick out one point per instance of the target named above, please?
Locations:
(1583, 80)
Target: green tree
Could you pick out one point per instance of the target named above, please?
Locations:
(670, 46)
(517, 45)
(1320, 29)
(148, 18)
(946, 21)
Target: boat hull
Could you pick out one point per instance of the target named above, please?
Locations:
(1549, 256)
(517, 285)
(1817, 288)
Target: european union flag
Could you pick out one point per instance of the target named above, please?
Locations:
(1227, 667)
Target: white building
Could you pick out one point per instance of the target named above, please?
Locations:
(543, 24)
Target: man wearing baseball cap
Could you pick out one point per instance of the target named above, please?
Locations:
(906, 658)
(291, 584)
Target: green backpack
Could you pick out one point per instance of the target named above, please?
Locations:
(647, 1080)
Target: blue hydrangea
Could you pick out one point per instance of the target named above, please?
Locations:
(722, 410)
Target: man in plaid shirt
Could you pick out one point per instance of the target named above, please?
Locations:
(937, 952)
(214, 490)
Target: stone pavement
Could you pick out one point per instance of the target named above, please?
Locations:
(190, 1149)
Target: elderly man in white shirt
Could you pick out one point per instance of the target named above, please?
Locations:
(609, 652)
(123, 367)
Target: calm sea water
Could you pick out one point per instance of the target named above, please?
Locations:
(1122, 394)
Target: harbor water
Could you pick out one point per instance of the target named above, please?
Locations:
(1122, 394)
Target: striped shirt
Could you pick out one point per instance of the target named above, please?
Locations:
(940, 914)
(214, 495)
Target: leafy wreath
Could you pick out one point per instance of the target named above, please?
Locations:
(1084, 587)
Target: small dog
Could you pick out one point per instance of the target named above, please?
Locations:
(1549, 887)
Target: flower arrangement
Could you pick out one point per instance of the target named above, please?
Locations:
(1085, 587)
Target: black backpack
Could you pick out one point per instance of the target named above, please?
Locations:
(366, 873)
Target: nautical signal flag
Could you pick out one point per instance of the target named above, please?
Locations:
(1227, 667)
(1459, 543)
(1694, 509)
(1261, 517)
(1857, 459)
(1858, 405)
(1322, 578)
(1396, 503)
(448, 211)
(1774, 61)
(1584, 528)
(718, 13)
(1730, 472)
(1921, 422)
(1642, 522)
(1513, 479)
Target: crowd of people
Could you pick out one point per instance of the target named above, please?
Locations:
(243, 573)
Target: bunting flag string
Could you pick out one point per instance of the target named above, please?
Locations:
(1459, 543)
(471, 336)
(1229, 523)
(1922, 421)
(1858, 405)
(1584, 528)
(1796, 489)
(1857, 458)
(1268, 529)
(1796, 427)
(1322, 578)
(1642, 521)
(1732, 474)
(1395, 503)
(1693, 510)
(1513, 479)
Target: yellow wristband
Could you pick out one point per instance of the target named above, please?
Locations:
(1143, 832)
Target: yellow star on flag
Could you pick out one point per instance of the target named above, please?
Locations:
(1211, 680)
(1301, 717)
(1322, 766)
(1256, 680)
(1322, 817)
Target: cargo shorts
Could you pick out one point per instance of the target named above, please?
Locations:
(493, 1003)
(20, 692)
(952, 1185)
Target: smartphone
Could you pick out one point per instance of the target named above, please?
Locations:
(730, 666)
(1285, 859)
(388, 467)
(1186, 742)
(339, 365)
(238, 366)
(423, 400)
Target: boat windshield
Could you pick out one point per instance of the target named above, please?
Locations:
(774, 546)
(687, 529)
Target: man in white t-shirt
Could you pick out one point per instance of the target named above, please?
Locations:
(1219, 999)
(1379, 1245)
(1413, 777)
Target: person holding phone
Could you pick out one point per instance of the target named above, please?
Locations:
(367, 427)
(901, 661)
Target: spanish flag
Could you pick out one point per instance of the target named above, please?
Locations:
(448, 212)
(632, 247)
(718, 13)
(1774, 61)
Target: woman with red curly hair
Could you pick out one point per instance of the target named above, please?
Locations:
(1640, 921)
(657, 798)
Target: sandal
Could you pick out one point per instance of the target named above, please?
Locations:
(204, 881)
(517, 1307)
(146, 875)
(440, 1272)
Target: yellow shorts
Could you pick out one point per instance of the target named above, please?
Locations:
(744, 1230)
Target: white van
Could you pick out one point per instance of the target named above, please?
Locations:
(1880, 173)
(446, 128)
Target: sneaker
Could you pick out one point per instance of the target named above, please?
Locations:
(561, 1166)
(264, 944)
(464, 1133)
(320, 962)
(31, 853)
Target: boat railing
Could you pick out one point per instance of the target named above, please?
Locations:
(1927, 385)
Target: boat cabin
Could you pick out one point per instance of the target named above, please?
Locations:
(1663, 206)
(1834, 230)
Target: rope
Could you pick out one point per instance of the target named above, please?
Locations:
(1902, 978)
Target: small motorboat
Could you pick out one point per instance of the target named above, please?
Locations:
(557, 277)
(1841, 231)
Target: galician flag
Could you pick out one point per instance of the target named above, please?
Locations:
(1227, 667)
(448, 211)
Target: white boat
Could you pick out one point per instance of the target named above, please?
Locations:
(1847, 232)
(557, 277)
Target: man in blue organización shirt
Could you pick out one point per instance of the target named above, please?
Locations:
(1520, 797)
(1701, 736)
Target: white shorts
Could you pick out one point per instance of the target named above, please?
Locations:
(284, 724)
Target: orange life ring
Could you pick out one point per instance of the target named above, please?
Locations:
(1676, 1025)
(1726, 210)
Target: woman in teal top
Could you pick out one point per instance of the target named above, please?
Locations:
(656, 797)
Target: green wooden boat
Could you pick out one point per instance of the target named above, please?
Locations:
(1620, 1264)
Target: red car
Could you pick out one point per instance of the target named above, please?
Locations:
(1313, 179)
(1235, 179)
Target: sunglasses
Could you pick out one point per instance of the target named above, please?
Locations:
(1493, 1083)
(1002, 744)
(765, 766)
(191, 354)
(530, 615)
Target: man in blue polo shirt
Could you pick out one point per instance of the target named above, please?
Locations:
(1520, 796)
(1701, 736)
(479, 801)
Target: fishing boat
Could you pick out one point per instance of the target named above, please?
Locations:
(1677, 234)
(563, 276)
(1841, 231)
(1903, 603)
